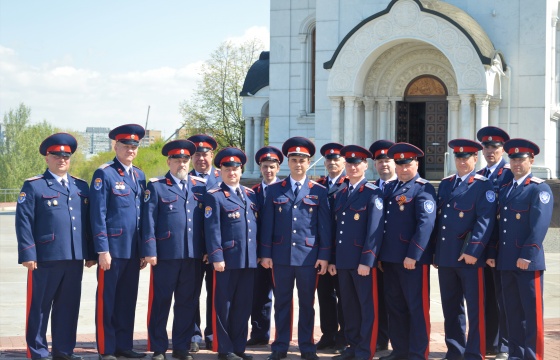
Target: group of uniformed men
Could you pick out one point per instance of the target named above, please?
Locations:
(365, 247)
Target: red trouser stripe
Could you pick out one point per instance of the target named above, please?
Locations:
(539, 348)
(373, 340)
(426, 304)
(150, 301)
(215, 338)
(28, 304)
(99, 319)
(481, 317)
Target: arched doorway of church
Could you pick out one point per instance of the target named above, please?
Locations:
(422, 121)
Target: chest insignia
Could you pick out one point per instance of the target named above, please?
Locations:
(461, 214)
(55, 202)
(356, 216)
(544, 197)
(518, 216)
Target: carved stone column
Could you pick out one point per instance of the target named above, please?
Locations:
(453, 105)
(482, 102)
(249, 146)
(303, 78)
(383, 105)
(370, 128)
(466, 119)
(349, 120)
(494, 112)
(336, 102)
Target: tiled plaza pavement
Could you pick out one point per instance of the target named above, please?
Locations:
(14, 347)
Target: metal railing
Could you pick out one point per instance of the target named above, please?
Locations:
(9, 195)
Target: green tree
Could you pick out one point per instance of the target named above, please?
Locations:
(19, 152)
(216, 107)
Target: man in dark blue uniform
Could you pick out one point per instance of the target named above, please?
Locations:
(498, 173)
(173, 243)
(328, 292)
(269, 159)
(54, 239)
(525, 211)
(230, 226)
(202, 167)
(406, 255)
(358, 214)
(466, 212)
(296, 240)
(116, 199)
(385, 167)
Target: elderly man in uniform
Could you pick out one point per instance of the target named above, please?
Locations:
(296, 240)
(54, 239)
(385, 167)
(269, 159)
(173, 247)
(525, 211)
(202, 167)
(231, 239)
(117, 189)
(498, 173)
(358, 214)
(406, 255)
(466, 213)
(328, 293)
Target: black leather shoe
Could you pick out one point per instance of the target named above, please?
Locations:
(107, 357)
(309, 356)
(325, 344)
(228, 356)
(194, 347)
(158, 356)
(244, 356)
(277, 355)
(45, 358)
(392, 357)
(129, 354)
(182, 355)
(255, 342)
(208, 345)
(343, 356)
(501, 356)
(67, 357)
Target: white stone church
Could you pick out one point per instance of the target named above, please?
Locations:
(419, 71)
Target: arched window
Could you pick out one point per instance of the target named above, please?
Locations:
(307, 38)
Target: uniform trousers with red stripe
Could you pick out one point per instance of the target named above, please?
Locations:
(54, 288)
(407, 299)
(523, 298)
(233, 298)
(174, 278)
(458, 286)
(305, 278)
(117, 292)
(360, 306)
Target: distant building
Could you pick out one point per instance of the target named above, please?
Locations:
(96, 141)
(151, 137)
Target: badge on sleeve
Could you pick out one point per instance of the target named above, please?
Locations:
(97, 184)
(490, 196)
(429, 206)
(543, 196)
(207, 212)
(146, 195)
(379, 204)
(21, 197)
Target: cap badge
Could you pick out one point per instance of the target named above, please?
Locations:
(516, 150)
(383, 151)
(332, 151)
(297, 149)
(231, 159)
(268, 155)
(402, 156)
(461, 149)
(201, 144)
(132, 136)
(489, 138)
(62, 148)
(353, 155)
(182, 151)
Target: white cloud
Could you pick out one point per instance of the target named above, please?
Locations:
(255, 32)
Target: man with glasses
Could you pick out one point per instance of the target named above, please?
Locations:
(54, 239)
(117, 189)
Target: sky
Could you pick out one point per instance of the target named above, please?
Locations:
(102, 63)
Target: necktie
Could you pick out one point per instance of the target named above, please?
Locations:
(296, 190)
(330, 184)
(488, 173)
(399, 184)
(63, 183)
(457, 183)
(382, 185)
(264, 191)
(184, 183)
(238, 192)
(203, 175)
(350, 189)
(512, 188)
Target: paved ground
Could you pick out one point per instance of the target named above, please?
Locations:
(12, 306)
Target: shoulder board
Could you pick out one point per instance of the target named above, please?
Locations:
(248, 190)
(36, 177)
(316, 183)
(77, 178)
(371, 186)
(106, 165)
(156, 179)
(507, 166)
(480, 177)
(448, 177)
(537, 180)
(421, 181)
(213, 190)
(198, 178)
(322, 180)
(134, 166)
(256, 187)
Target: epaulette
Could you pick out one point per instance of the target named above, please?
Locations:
(480, 177)
(249, 190)
(371, 186)
(213, 190)
(106, 165)
(422, 181)
(198, 178)
(537, 180)
(316, 183)
(77, 178)
(156, 179)
(256, 187)
(136, 167)
(507, 166)
(448, 177)
(36, 177)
